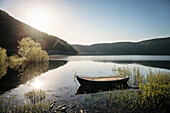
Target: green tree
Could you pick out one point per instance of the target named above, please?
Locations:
(31, 51)
(3, 56)
(3, 63)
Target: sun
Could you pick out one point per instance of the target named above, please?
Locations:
(37, 84)
(38, 19)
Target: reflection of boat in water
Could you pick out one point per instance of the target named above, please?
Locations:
(87, 89)
(103, 83)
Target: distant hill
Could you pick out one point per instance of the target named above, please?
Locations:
(159, 46)
(12, 30)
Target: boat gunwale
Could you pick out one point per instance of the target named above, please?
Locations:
(91, 79)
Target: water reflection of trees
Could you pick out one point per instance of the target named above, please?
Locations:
(3, 69)
(158, 64)
(17, 73)
(31, 70)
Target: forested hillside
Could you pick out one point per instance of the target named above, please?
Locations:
(12, 30)
(160, 46)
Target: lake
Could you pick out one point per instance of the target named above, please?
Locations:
(57, 77)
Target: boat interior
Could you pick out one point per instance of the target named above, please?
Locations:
(104, 78)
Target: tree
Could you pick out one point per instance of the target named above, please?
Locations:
(3, 63)
(31, 51)
(3, 56)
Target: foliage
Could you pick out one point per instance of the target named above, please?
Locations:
(157, 88)
(153, 94)
(7, 106)
(31, 51)
(12, 30)
(3, 62)
(35, 96)
(3, 56)
(15, 61)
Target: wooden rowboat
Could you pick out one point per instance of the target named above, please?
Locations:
(103, 80)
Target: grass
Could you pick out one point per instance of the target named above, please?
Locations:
(153, 95)
(7, 104)
(36, 103)
(35, 96)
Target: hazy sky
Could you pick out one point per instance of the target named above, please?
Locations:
(94, 21)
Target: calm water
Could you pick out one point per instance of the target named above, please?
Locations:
(56, 77)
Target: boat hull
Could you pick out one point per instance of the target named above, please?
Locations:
(90, 86)
(86, 82)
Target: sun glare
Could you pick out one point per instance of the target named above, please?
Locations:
(37, 84)
(38, 19)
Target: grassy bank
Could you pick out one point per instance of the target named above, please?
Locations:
(153, 95)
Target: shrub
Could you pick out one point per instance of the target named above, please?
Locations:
(15, 61)
(3, 63)
(3, 56)
(31, 51)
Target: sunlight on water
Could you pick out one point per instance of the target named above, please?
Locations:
(58, 80)
(37, 84)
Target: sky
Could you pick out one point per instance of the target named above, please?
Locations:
(94, 21)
